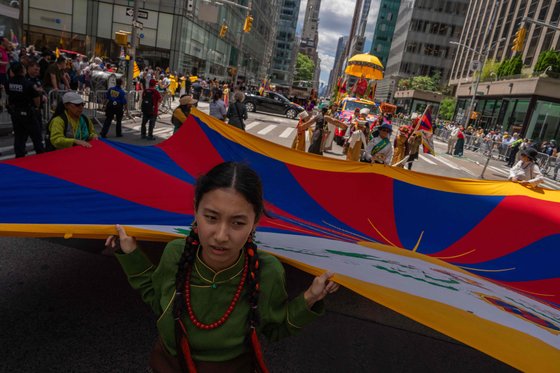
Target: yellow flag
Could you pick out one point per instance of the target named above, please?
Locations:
(136, 71)
(57, 52)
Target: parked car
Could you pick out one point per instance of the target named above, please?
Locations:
(347, 107)
(272, 102)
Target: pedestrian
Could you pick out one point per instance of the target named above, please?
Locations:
(454, 131)
(114, 108)
(204, 324)
(414, 142)
(181, 112)
(460, 143)
(150, 106)
(299, 139)
(23, 103)
(379, 149)
(237, 113)
(217, 105)
(69, 126)
(526, 171)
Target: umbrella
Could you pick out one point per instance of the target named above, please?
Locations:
(365, 64)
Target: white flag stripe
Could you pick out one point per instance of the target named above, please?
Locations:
(267, 129)
(287, 132)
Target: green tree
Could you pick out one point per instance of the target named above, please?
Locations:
(423, 83)
(511, 67)
(546, 59)
(305, 68)
(491, 66)
(447, 108)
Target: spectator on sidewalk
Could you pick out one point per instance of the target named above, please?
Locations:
(526, 171)
(54, 76)
(217, 106)
(460, 143)
(69, 126)
(150, 107)
(23, 102)
(4, 62)
(237, 113)
(181, 112)
(116, 103)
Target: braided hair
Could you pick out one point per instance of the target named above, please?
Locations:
(244, 180)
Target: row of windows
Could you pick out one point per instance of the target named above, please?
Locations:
(427, 49)
(417, 69)
(435, 28)
(448, 7)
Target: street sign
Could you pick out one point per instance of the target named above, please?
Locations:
(475, 65)
(139, 25)
(141, 13)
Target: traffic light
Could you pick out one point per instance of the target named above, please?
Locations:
(223, 31)
(248, 24)
(519, 39)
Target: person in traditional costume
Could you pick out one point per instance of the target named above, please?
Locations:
(401, 146)
(379, 149)
(357, 141)
(299, 139)
(414, 142)
(215, 291)
(320, 120)
(360, 87)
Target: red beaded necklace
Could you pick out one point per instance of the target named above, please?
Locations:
(229, 310)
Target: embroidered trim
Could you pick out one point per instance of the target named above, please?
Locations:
(141, 273)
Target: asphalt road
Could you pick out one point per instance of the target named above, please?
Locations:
(66, 308)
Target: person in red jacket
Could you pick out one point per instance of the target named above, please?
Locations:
(150, 105)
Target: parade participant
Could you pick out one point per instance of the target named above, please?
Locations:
(401, 146)
(70, 127)
(526, 171)
(359, 114)
(299, 139)
(359, 89)
(357, 141)
(414, 142)
(182, 111)
(237, 113)
(217, 105)
(379, 149)
(114, 107)
(452, 138)
(459, 145)
(23, 102)
(226, 94)
(215, 290)
(317, 138)
(150, 107)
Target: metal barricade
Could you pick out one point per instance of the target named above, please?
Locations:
(133, 100)
(54, 99)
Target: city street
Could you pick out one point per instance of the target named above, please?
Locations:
(69, 308)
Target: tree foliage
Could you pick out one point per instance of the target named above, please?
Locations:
(510, 67)
(421, 83)
(447, 108)
(305, 68)
(546, 59)
(491, 66)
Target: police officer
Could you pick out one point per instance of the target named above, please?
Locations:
(116, 102)
(23, 101)
(34, 76)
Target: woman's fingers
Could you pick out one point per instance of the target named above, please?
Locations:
(121, 232)
(110, 241)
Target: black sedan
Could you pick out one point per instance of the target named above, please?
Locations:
(272, 102)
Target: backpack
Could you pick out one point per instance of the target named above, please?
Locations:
(49, 147)
(148, 102)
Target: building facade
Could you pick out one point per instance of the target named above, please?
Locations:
(384, 29)
(310, 37)
(530, 103)
(285, 47)
(170, 36)
(420, 43)
(338, 61)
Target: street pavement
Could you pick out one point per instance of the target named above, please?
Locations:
(66, 308)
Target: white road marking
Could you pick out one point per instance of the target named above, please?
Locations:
(500, 171)
(287, 132)
(467, 171)
(267, 129)
(443, 160)
(251, 125)
(427, 160)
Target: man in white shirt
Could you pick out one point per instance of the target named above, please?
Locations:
(379, 149)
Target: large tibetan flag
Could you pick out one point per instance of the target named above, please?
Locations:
(480, 265)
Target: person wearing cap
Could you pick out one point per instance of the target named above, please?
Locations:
(401, 146)
(299, 139)
(379, 149)
(114, 107)
(526, 171)
(23, 103)
(182, 112)
(71, 127)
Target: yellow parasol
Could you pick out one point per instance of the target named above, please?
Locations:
(365, 64)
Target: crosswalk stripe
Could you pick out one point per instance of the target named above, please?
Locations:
(267, 129)
(468, 171)
(503, 172)
(427, 160)
(251, 125)
(443, 160)
(287, 132)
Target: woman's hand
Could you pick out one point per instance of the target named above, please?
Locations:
(127, 243)
(83, 143)
(320, 287)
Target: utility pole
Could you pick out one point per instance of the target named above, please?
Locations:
(133, 46)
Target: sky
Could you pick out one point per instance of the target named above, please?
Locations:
(335, 19)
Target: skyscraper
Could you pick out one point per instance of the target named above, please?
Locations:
(310, 36)
(338, 61)
(285, 49)
(384, 29)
